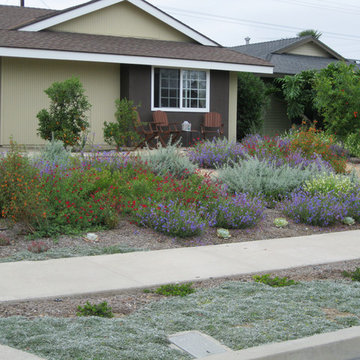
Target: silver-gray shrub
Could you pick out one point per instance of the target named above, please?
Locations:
(168, 160)
(54, 152)
(266, 178)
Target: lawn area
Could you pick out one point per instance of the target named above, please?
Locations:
(238, 314)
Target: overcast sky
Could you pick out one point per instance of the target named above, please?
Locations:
(229, 21)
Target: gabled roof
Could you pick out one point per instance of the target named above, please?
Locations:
(49, 20)
(276, 53)
(44, 44)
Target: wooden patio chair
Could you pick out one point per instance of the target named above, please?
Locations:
(147, 132)
(164, 128)
(212, 124)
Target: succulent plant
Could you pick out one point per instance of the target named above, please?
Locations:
(280, 222)
(223, 233)
(348, 220)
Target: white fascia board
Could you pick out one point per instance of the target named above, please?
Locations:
(86, 9)
(127, 59)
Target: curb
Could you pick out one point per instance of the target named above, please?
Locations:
(339, 345)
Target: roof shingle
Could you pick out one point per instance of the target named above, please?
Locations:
(99, 44)
(12, 16)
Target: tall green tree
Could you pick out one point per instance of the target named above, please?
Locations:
(338, 98)
(252, 99)
(299, 93)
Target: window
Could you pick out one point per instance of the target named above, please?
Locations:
(180, 90)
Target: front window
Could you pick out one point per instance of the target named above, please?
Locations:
(180, 90)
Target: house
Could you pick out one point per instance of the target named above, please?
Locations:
(289, 57)
(118, 48)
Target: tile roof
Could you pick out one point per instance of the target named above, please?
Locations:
(12, 16)
(99, 44)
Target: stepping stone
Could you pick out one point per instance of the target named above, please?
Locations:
(197, 344)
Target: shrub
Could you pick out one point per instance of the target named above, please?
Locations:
(168, 160)
(175, 290)
(352, 144)
(171, 219)
(66, 118)
(318, 209)
(216, 153)
(4, 240)
(338, 98)
(354, 275)
(261, 177)
(54, 153)
(21, 197)
(38, 247)
(330, 183)
(252, 99)
(311, 141)
(298, 91)
(75, 200)
(101, 310)
(275, 281)
(237, 212)
(122, 132)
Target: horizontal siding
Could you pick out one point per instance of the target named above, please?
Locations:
(23, 85)
(310, 49)
(275, 118)
(122, 19)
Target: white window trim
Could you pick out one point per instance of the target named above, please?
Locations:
(181, 108)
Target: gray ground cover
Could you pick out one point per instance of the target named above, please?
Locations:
(66, 252)
(238, 314)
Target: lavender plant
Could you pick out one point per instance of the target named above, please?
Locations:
(171, 219)
(316, 209)
(237, 212)
(216, 153)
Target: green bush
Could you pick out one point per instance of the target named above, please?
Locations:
(265, 178)
(298, 91)
(168, 160)
(251, 101)
(21, 195)
(352, 144)
(338, 98)
(354, 275)
(326, 183)
(66, 118)
(122, 132)
(101, 310)
(275, 281)
(175, 290)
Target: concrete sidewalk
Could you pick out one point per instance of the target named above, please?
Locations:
(114, 273)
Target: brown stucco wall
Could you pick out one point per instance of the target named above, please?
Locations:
(136, 86)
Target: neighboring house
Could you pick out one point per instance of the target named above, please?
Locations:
(289, 57)
(118, 48)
